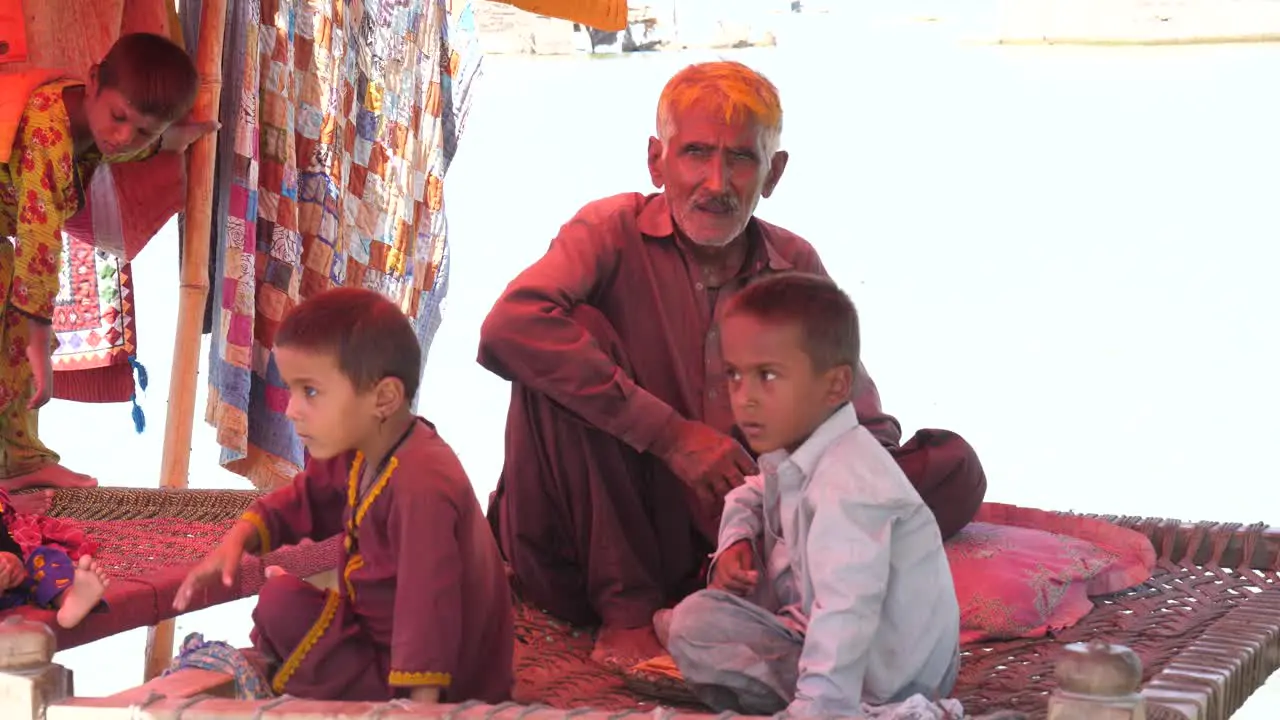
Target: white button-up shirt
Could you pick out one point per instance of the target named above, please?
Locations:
(854, 561)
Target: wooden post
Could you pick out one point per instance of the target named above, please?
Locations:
(29, 679)
(194, 289)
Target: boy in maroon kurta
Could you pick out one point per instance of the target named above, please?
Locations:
(423, 609)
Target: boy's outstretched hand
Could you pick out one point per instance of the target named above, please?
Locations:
(12, 571)
(735, 570)
(221, 564)
(180, 135)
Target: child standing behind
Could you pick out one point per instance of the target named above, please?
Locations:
(830, 587)
(424, 608)
(125, 110)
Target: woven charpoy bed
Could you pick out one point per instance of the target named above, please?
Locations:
(1206, 625)
(148, 540)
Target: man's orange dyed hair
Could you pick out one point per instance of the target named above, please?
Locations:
(154, 74)
(731, 88)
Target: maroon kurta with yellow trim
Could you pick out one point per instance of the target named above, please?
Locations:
(606, 339)
(423, 597)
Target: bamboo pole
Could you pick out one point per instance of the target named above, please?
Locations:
(194, 289)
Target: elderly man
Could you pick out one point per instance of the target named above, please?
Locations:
(620, 442)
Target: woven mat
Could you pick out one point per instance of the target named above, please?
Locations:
(142, 531)
(1158, 620)
(1167, 616)
(554, 667)
(201, 506)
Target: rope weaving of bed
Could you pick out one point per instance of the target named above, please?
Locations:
(141, 531)
(148, 538)
(1208, 633)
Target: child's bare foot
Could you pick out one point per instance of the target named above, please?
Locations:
(274, 571)
(85, 593)
(626, 646)
(31, 503)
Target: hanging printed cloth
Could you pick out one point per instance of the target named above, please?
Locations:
(342, 136)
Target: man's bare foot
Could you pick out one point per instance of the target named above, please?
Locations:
(85, 593)
(272, 571)
(31, 503)
(626, 646)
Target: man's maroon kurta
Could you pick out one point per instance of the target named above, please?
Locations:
(606, 339)
(423, 598)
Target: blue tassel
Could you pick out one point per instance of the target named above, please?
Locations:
(139, 418)
(142, 372)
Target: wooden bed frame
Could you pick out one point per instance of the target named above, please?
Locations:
(1207, 625)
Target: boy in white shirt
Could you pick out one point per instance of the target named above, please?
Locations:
(830, 587)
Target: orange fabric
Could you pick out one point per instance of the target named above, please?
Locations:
(15, 90)
(599, 14)
(13, 31)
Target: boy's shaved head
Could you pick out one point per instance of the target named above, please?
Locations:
(823, 312)
(153, 73)
(367, 333)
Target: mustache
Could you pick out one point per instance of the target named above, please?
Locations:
(718, 203)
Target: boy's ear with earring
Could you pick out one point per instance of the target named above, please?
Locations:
(389, 395)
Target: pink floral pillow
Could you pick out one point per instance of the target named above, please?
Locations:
(1022, 573)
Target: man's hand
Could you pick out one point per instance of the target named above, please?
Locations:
(12, 571)
(709, 462)
(221, 564)
(179, 136)
(735, 570)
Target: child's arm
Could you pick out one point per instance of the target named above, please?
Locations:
(427, 635)
(7, 543)
(12, 568)
(176, 139)
(743, 517)
(41, 166)
(848, 555)
(309, 508)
